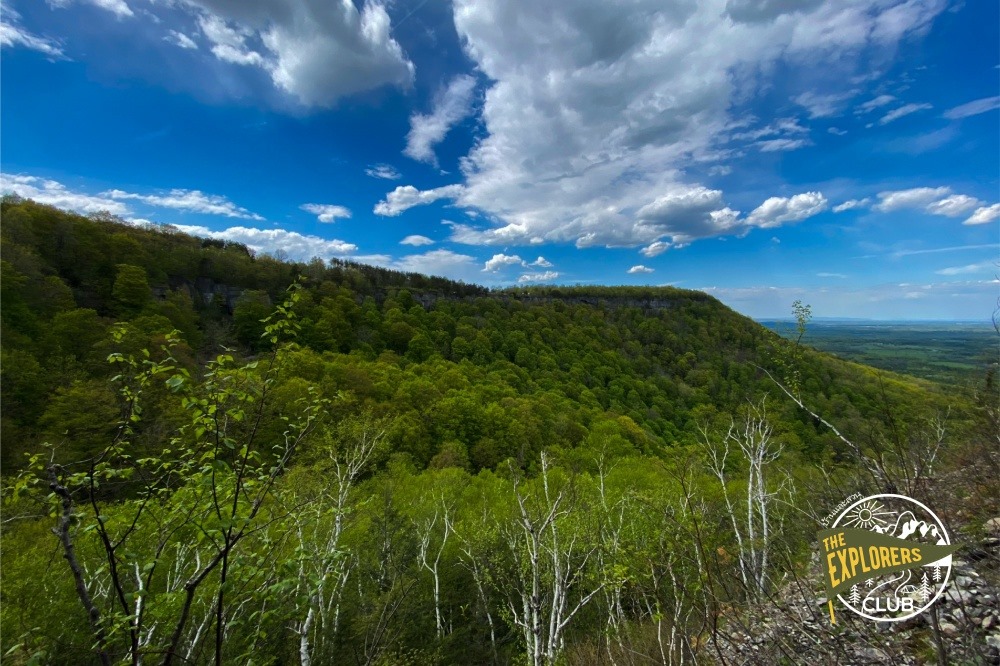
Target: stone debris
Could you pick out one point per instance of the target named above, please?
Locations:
(794, 627)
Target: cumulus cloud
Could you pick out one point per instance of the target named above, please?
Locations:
(917, 197)
(984, 215)
(541, 262)
(326, 212)
(639, 269)
(317, 51)
(973, 108)
(685, 215)
(501, 261)
(776, 211)
(851, 204)
(405, 197)
(937, 201)
(451, 106)
(229, 43)
(180, 39)
(296, 246)
(416, 240)
(547, 276)
(655, 249)
(383, 171)
(904, 110)
(594, 111)
(54, 193)
(13, 35)
(954, 205)
(193, 201)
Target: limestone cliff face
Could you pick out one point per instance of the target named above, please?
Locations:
(203, 291)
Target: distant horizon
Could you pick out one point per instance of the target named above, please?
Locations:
(821, 320)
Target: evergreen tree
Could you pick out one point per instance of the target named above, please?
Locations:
(924, 591)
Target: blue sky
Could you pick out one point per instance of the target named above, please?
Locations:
(844, 152)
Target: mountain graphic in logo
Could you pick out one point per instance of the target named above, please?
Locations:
(907, 526)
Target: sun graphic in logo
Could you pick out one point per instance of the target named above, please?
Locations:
(867, 516)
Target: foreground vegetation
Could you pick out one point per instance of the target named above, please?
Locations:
(208, 459)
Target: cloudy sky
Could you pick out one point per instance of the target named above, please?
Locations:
(841, 152)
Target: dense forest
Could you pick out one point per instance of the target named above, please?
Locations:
(212, 456)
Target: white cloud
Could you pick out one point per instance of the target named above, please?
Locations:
(955, 248)
(405, 197)
(655, 249)
(937, 201)
(117, 7)
(981, 267)
(778, 210)
(954, 205)
(318, 51)
(824, 105)
(193, 201)
(450, 107)
(851, 204)
(229, 43)
(439, 262)
(54, 193)
(639, 269)
(547, 276)
(685, 215)
(836, 131)
(775, 145)
(973, 108)
(383, 171)
(595, 110)
(297, 247)
(904, 110)
(416, 240)
(917, 197)
(13, 35)
(984, 215)
(500, 261)
(876, 103)
(831, 275)
(326, 212)
(541, 262)
(780, 127)
(180, 39)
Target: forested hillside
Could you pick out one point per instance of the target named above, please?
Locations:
(216, 457)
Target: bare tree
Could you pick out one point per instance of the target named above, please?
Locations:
(753, 437)
(324, 568)
(551, 557)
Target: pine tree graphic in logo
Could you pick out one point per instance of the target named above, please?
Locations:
(881, 555)
(924, 591)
